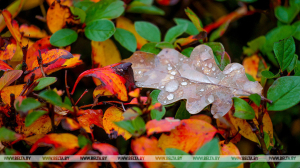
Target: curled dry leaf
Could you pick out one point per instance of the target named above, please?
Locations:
(164, 125)
(112, 115)
(89, 118)
(65, 140)
(116, 78)
(32, 31)
(189, 136)
(147, 146)
(58, 16)
(105, 149)
(197, 79)
(246, 130)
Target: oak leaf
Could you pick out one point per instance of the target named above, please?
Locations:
(197, 79)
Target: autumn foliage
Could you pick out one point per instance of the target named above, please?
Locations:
(113, 77)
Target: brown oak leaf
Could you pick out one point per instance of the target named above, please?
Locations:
(197, 79)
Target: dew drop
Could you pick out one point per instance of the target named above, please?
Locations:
(171, 77)
(142, 60)
(183, 83)
(201, 90)
(165, 102)
(162, 87)
(140, 72)
(169, 68)
(173, 73)
(172, 86)
(213, 69)
(210, 98)
(205, 64)
(181, 59)
(209, 65)
(170, 97)
(202, 68)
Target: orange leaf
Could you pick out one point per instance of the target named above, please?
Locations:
(202, 117)
(228, 149)
(126, 24)
(58, 16)
(112, 115)
(43, 45)
(146, 146)
(40, 127)
(103, 54)
(164, 125)
(90, 117)
(111, 80)
(9, 77)
(100, 90)
(7, 91)
(69, 124)
(72, 62)
(32, 31)
(135, 100)
(8, 52)
(105, 149)
(246, 130)
(65, 140)
(4, 66)
(12, 26)
(222, 126)
(252, 66)
(135, 92)
(63, 2)
(53, 60)
(189, 136)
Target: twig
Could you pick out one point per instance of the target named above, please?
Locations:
(81, 96)
(100, 103)
(40, 61)
(67, 88)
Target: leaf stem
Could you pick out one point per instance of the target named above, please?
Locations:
(81, 96)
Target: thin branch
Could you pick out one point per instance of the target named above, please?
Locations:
(81, 96)
(67, 88)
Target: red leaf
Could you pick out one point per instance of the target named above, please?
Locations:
(165, 125)
(105, 149)
(115, 78)
(4, 66)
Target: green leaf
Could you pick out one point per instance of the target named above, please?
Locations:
(297, 30)
(126, 39)
(250, 78)
(68, 101)
(260, 164)
(44, 82)
(221, 57)
(79, 13)
(286, 14)
(139, 125)
(53, 98)
(293, 64)
(284, 93)
(174, 151)
(289, 164)
(33, 116)
(210, 148)
(148, 31)
(83, 141)
(156, 114)
(191, 28)
(63, 37)
(242, 109)
(27, 104)
(146, 2)
(182, 113)
(105, 9)
(150, 48)
(254, 45)
(8, 135)
(273, 36)
(269, 75)
(267, 139)
(194, 18)
(99, 30)
(255, 98)
(219, 32)
(187, 52)
(284, 51)
(297, 69)
(139, 7)
(84, 5)
(174, 32)
(127, 125)
(163, 45)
